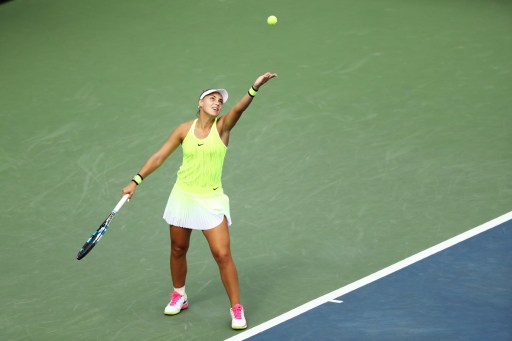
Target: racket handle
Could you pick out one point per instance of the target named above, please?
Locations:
(120, 203)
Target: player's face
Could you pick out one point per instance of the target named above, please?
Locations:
(212, 104)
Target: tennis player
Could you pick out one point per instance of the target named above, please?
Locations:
(197, 200)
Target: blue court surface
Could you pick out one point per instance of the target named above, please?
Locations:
(457, 290)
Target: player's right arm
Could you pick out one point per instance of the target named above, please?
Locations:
(158, 158)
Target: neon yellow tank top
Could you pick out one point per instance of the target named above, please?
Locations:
(203, 159)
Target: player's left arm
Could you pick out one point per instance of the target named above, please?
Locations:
(231, 118)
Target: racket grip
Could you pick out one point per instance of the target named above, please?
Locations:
(121, 203)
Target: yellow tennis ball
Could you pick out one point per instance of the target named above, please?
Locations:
(272, 20)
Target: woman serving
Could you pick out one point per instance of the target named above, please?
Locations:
(197, 200)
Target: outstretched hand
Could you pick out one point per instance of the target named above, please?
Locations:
(263, 79)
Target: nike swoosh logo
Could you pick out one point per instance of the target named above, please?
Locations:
(200, 144)
(216, 188)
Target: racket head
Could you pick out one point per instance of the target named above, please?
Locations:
(94, 238)
(85, 250)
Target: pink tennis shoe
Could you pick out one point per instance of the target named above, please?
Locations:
(237, 317)
(178, 303)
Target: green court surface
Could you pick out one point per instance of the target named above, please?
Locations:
(387, 132)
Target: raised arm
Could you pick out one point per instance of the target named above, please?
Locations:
(232, 117)
(157, 159)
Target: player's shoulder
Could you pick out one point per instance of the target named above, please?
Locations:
(181, 131)
(184, 127)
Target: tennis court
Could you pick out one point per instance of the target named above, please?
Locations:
(456, 290)
(386, 133)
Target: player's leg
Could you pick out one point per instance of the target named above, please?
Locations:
(219, 241)
(180, 241)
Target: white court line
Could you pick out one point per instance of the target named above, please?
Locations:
(371, 278)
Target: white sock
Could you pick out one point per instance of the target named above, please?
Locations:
(180, 291)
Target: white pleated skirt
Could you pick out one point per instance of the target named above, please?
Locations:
(196, 211)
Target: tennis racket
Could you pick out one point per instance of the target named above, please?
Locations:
(96, 236)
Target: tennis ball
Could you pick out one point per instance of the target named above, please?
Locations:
(272, 20)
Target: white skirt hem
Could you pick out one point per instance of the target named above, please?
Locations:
(196, 211)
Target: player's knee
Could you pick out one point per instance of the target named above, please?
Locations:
(179, 250)
(222, 257)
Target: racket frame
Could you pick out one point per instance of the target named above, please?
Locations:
(100, 231)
